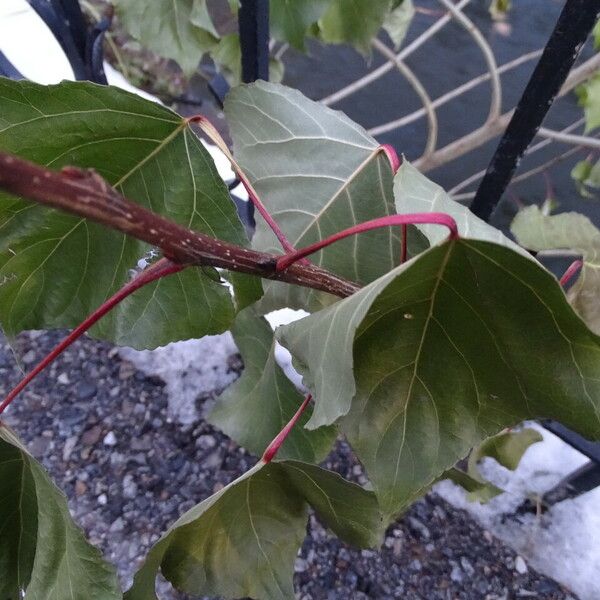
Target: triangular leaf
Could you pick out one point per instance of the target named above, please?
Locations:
(42, 551)
(571, 231)
(461, 342)
(255, 408)
(317, 172)
(243, 540)
(506, 448)
(58, 268)
(582, 176)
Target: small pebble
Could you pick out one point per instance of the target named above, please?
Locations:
(86, 390)
(130, 488)
(456, 574)
(110, 439)
(69, 447)
(28, 357)
(117, 526)
(91, 436)
(520, 565)
(80, 488)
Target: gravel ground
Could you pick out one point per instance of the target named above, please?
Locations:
(101, 427)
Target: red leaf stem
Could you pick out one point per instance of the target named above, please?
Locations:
(424, 218)
(273, 447)
(392, 156)
(211, 131)
(573, 269)
(404, 242)
(160, 268)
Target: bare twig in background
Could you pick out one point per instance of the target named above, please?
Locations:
(477, 176)
(375, 74)
(526, 174)
(483, 134)
(496, 99)
(583, 141)
(420, 90)
(455, 93)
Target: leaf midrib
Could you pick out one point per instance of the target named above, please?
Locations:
(317, 216)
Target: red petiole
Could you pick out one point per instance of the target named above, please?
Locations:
(273, 447)
(211, 131)
(573, 269)
(160, 268)
(418, 218)
(392, 156)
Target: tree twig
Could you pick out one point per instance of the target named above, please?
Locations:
(419, 89)
(85, 194)
(375, 74)
(488, 55)
(483, 134)
(454, 93)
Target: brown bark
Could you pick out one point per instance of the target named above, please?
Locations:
(85, 194)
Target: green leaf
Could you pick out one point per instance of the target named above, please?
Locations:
(255, 408)
(317, 172)
(588, 94)
(586, 175)
(200, 17)
(463, 341)
(415, 193)
(567, 231)
(593, 178)
(506, 448)
(177, 29)
(478, 491)
(398, 21)
(58, 268)
(42, 551)
(291, 20)
(243, 540)
(580, 173)
(353, 22)
(247, 289)
(500, 8)
(596, 36)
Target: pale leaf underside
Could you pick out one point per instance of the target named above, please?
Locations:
(317, 173)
